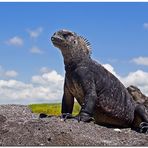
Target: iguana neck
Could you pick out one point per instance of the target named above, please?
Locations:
(72, 63)
(71, 56)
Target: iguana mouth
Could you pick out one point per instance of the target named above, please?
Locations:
(57, 40)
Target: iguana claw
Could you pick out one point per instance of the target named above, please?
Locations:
(84, 117)
(66, 116)
(144, 127)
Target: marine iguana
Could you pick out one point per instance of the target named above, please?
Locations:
(101, 95)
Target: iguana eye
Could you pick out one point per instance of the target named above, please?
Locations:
(66, 35)
(74, 41)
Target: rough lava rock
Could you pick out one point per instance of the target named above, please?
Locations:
(138, 96)
(20, 127)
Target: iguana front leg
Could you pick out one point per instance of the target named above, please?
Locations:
(87, 83)
(87, 109)
(67, 104)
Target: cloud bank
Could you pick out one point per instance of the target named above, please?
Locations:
(138, 78)
(141, 61)
(48, 86)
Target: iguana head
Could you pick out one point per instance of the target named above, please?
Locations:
(71, 44)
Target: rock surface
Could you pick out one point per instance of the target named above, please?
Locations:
(20, 127)
(138, 96)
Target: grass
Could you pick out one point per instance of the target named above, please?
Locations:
(52, 109)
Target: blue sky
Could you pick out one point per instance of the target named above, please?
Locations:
(118, 33)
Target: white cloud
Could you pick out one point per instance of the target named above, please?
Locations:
(141, 61)
(7, 73)
(36, 50)
(35, 33)
(138, 78)
(48, 78)
(11, 73)
(44, 70)
(14, 90)
(46, 87)
(16, 41)
(145, 25)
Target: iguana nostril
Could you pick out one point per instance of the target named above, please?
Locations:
(52, 38)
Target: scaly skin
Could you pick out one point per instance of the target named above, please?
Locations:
(101, 95)
(138, 96)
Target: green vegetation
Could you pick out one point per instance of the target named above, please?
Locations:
(52, 109)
